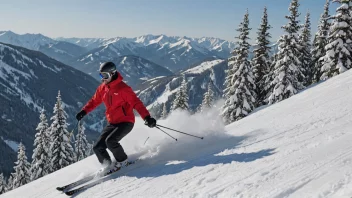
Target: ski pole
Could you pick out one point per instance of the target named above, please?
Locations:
(180, 132)
(146, 140)
(73, 130)
(166, 133)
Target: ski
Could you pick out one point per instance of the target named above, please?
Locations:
(86, 186)
(88, 178)
(78, 182)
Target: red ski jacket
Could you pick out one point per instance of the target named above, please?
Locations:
(119, 100)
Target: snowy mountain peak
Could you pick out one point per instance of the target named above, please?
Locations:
(89, 43)
(203, 67)
(155, 39)
(30, 41)
(162, 39)
(7, 32)
(145, 39)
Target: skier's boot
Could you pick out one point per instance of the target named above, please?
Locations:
(107, 165)
(119, 165)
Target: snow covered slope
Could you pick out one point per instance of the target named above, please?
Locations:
(300, 147)
(162, 90)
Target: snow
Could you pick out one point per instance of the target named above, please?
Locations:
(203, 67)
(181, 42)
(154, 79)
(112, 48)
(144, 39)
(200, 44)
(121, 43)
(144, 78)
(163, 97)
(30, 41)
(123, 60)
(6, 71)
(56, 70)
(299, 147)
(157, 40)
(344, 6)
(12, 144)
(11, 71)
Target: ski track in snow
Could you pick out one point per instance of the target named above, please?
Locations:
(300, 147)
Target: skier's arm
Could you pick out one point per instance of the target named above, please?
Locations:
(135, 102)
(95, 101)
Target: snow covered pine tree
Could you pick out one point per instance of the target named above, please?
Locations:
(164, 112)
(22, 174)
(61, 149)
(2, 184)
(319, 43)
(208, 99)
(82, 144)
(9, 185)
(306, 57)
(240, 87)
(338, 57)
(287, 70)
(181, 100)
(261, 60)
(40, 157)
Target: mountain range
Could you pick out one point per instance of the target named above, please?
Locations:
(62, 51)
(172, 52)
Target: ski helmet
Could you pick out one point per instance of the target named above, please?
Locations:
(107, 67)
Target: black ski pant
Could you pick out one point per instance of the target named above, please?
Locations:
(110, 138)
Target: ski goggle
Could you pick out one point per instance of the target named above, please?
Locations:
(105, 75)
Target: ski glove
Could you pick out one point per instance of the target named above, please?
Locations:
(80, 115)
(149, 121)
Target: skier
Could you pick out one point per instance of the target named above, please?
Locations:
(120, 100)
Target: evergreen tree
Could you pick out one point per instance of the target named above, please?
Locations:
(306, 57)
(164, 112)
(208, 99)
(22, 167)
(338, 54)
(62, 151)
(2, 184)
(181, 100)
(48, 143)
(82, 144)
(40, 157)
(9, 185)
(240, 91)
(287, 67)
(261, 60)
(319, 43)
(268, 82)
(90, 149)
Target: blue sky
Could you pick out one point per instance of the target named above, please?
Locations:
(130, 18)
